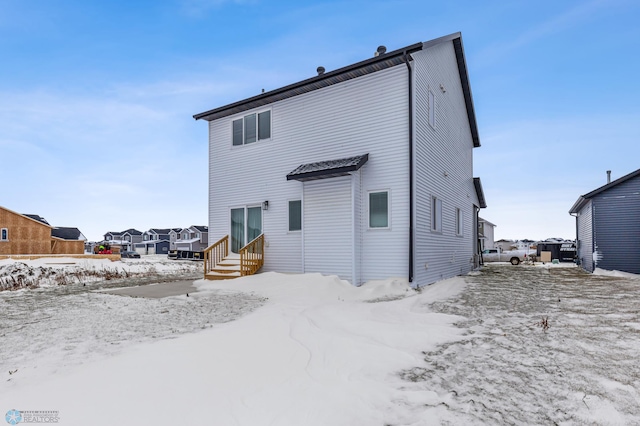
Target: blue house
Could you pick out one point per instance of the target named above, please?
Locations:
(608, 226)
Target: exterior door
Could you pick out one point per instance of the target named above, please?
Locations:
(246, 225)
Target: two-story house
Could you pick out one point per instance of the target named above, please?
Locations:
(154, 241)
(365, 172)
(194, 238)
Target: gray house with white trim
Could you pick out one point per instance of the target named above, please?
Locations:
(608, 226)
(365, 172)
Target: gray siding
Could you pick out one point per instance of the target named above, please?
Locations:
(365, 115)
(585, 237)
(616, 218)
(444, 168)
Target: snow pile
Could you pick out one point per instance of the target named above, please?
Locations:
(46, 272)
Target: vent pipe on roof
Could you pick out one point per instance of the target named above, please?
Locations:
(381, 51)
(608, 176)
(320, 70)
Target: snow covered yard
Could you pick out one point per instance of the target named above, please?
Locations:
(543, 345)
(275, 349)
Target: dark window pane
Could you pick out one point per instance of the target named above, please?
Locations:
(264, 125)
(378, 210)
(237, 132)
(250, 128)
(295, 215)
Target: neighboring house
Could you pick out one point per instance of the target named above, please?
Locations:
(608, 226)
(486, 234)
(365, 172)
(174, 235)
(194, 238)
(67, 241)
(32, 234)
(129, 238)
(154, 241)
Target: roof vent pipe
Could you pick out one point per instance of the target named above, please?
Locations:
(381, 51)
(320, 70)
(608, 176)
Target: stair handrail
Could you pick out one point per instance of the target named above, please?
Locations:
(252, 256)
(215, 253)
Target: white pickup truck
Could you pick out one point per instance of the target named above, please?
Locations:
(497, 255)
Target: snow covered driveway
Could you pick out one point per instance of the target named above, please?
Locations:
(510, 369)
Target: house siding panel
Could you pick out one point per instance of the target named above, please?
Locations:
(444, 168)
(616, 233)
(26, 236)
(366, 115)
(328, 227)
(585, 237)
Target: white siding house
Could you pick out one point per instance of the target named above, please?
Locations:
(341, 172)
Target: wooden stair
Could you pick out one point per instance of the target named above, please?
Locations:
(221, 264)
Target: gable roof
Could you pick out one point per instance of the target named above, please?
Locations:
(67, 233)
(359, 69)
(201, 228)
(131, 231)
(38, 218)
(158, 231)
(582, 200)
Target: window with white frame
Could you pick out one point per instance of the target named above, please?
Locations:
(252, 128)
(436, 214)
(379, 209)
(432, 109)
(459, 227)
(4, 234)
(295, 215)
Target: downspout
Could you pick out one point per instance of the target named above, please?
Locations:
(407, 58)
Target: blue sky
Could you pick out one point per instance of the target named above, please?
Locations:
(97, 98)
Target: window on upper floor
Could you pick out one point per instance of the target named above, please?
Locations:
(295, 215)
(379, 209)
(432, 109)
(185, 236)
(436, 214)
(4, 234)
(251, 128)
(458, 218)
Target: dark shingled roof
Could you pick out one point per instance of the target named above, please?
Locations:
(66, 233)
(131, 231)
(480, 193)
(201, 228)
(327, 169)
(38, 218)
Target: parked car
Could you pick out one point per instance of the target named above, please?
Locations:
(497, 255)
(130, 254)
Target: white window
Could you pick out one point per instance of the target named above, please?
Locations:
(432, 109)
(251, 128)
(295, 215)
(459, 227)
(379, 209)
(436, 214)
(4, 234)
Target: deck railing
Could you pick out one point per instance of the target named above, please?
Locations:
(215, 253)
(252, 256)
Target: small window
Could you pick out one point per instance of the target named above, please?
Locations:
(379, 209)
(4, 234)
(458, 221)
(295, 215)
(436, 214)
(251, 128)
(432, 109)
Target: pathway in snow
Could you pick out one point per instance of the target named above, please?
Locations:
(511, 369)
